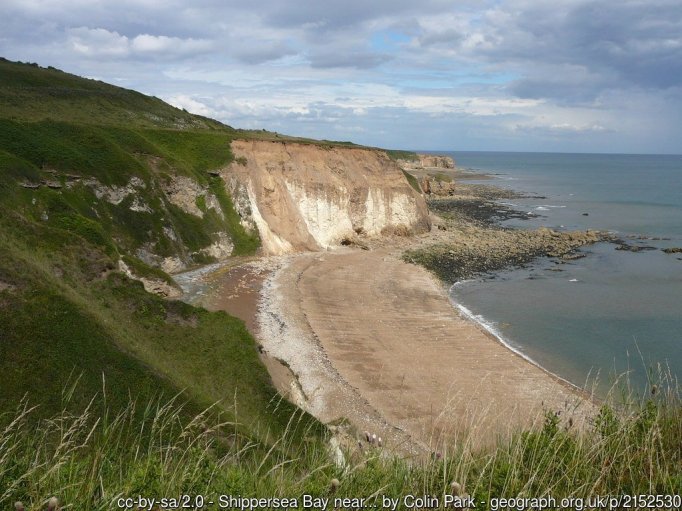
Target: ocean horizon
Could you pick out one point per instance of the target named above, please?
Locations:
(614, 311)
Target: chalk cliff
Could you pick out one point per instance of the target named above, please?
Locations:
(312, 197)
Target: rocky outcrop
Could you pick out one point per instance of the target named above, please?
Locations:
(437, 187)
(435, 161)
(187, 194)
(428, 161)
(466, 252)
(157, 286)
(184, 192)
(312, 197)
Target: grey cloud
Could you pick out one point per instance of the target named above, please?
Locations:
(566, 85)
(623, 43)
(447, 36)
(642, 41)
(348, 59)
(317, 15)
(260, 53)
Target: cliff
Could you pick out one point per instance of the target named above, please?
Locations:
(312, 197)
(427, 161)
(435, 161)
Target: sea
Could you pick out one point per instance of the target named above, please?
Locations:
(613, 316)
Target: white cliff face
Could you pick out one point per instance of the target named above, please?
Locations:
(271, 243)
(308, 197)
(326, 217)
(388, 210)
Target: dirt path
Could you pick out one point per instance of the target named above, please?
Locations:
(376, 340)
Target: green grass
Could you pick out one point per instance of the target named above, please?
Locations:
(56, 152)
(142, 269)
(34, 93)
(64, 313)
(245, 243)
(396, 154)
(413, 181)
(442, 177)
(631, 448)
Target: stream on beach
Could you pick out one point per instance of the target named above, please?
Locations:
(612, 311)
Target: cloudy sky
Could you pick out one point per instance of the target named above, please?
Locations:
(521, 75)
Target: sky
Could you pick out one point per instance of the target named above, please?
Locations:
(456, 75)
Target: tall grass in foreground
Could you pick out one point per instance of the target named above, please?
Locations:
(89, 461)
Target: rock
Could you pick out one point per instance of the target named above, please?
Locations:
(55, 185)
(573, 257)
(673, 250)
(435, 161)
(6, 286)
(426, 185)
(634, 248)
(151, 285)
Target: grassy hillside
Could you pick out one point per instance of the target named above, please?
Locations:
(58, 167)
(30, 92)
(89, 176)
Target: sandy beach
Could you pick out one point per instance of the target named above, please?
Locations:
(364, 339)
(365, 328)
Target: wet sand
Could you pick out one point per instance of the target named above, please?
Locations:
(237, 292)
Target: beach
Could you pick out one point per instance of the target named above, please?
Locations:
(360, 337)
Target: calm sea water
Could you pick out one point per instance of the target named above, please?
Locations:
(613, 310)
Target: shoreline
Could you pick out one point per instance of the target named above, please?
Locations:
(301, 322)
(490, 330)
(510, 389)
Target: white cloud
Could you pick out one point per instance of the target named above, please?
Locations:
(100, 42)
(190, 104)
(145, 43)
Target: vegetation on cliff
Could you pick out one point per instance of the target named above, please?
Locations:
(92, 176)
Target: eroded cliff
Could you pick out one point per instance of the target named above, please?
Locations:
(312, 197)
